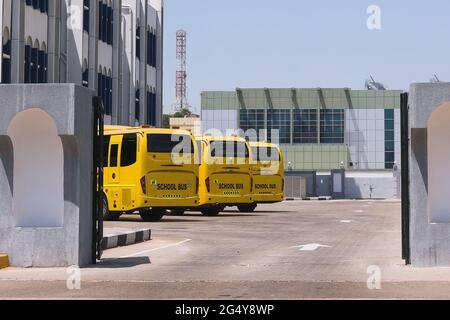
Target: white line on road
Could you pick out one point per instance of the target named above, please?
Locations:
(157, 249)
(310, 247)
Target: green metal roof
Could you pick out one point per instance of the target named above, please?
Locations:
(318, 98)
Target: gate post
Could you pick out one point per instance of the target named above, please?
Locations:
(429, 171)
(404, 108)
(50, 125)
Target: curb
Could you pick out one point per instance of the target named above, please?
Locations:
(126, 239)
(319, 199)
(4, 261)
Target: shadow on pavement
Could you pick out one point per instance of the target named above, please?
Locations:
(120, 263)
(222, 215)
(165, 219)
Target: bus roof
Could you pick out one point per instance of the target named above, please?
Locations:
(220, 138)
(143, 130)
(264, 145)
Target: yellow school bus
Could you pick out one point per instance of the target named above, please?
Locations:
(149, 170)
(225, 174)
(268, 174)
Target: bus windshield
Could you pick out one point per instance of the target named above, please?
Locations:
(263, 154)
(229, 149)
(167, 143)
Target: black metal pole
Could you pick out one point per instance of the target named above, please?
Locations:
(98, 132)
(406, 249)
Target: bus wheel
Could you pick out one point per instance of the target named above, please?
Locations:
(177, 212)
(248, 208)
(153, 215)
(108, 215)
(212, 212)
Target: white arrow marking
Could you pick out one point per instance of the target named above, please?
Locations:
(310, 247)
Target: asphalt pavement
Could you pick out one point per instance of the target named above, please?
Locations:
(292, 250)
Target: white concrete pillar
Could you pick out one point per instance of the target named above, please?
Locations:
(53, 49)
(18, 41)
(93, 45)
(159, 6)
(128, 61)
(75, 41)
(117, 63)
(143, 60)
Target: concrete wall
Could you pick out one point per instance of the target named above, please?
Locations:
(371, 185)
(429, 232)
(357, 184)
(39, 244)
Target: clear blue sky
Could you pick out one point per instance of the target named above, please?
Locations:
(299, 43)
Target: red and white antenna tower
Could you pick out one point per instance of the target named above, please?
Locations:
(181, 76)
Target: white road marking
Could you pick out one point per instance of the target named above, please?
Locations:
(157, 249)
(310, 247)
(359, 211)
(346, 221)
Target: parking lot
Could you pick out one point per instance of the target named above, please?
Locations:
(292, 250)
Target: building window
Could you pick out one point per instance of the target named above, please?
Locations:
(151, 108)
(279, 120)
(137, 112)
(151, 49)
(100, 20)
(252, 119)
(41, 66)
(27, 66)
(109, 39)
(41, 5)
(86, 76)
(332, 124)
(389, 138)
(105, 92)
(6, 61)
(100, 85)
(110, 98)
(86, 19)
(138, 42)
(34, 65)
(106, 22)
(305, 126)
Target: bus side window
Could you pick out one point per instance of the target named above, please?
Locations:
(129, 150)
(106, 141)
(114, 156)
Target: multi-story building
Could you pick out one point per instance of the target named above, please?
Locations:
(319, 129)
(192, 124)
(88, 42)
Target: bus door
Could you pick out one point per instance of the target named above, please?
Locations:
(114, 169)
